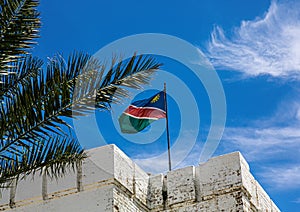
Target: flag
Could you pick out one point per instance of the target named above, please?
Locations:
(142, 113)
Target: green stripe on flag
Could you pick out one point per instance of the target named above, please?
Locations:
(132, 125)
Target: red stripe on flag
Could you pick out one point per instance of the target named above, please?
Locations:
(145, 112)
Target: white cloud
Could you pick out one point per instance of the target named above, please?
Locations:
(259, 144)
(151, 166)
(274, 150)
(157, 164)
(283, 177)
(266, 45)
(297, 201)
(272, 144)
(270, 137)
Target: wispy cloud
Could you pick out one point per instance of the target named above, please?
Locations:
(274, 151)
(157, 165)
(187, 154)
(259, 144)
(283, 177)
(266, 45)
(267, 137)
(272, 144)
(297, 201)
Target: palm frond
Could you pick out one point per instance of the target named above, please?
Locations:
(68, 89)
(34, 110)
(56, 155)
(34, 104)
(133, 73)
(19, 74)
(19, 25)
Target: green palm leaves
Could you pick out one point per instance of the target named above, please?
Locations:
(38, 100)
(19, 25)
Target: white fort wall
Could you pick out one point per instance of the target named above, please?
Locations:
(113, 182)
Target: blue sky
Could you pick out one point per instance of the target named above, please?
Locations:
(254, 46)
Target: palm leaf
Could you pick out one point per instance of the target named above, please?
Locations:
(33, 113)
(35, 103)
(133, 73)
(19, 74)
(56, 155)
(18, 28)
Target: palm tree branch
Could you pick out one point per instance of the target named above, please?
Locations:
(18, 27)
(46, 99)
(23, 70)
(32, 113)
(135, 72)
(55, 154)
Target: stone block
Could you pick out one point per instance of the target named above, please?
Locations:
(141, 181)
(181, 186)
(155, 197)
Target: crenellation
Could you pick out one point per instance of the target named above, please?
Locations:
(123, 168)
(250, 185)
(264, 201)
(27, 187)
(141, 181)
(113, 182)
(94, 169)
(155, 197)
(181, 185)
(219, 174)
(56, 185)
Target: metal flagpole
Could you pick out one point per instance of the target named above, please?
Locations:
(167, 125)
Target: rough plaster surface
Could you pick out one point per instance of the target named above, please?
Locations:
(113, 182)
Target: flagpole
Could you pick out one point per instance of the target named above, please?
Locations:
(167, 126)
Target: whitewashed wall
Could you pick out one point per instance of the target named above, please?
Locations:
(113, 182)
